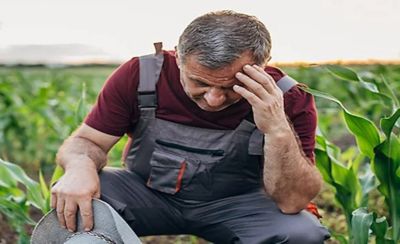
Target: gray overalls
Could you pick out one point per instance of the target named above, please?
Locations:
(206, 182)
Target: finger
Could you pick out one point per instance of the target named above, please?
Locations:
(86, 211)
(261, 77)
(252, 86)
(53, 199)
(249, 96)
(97, 193)
(70, 215)
(60, 211)
(270, 79)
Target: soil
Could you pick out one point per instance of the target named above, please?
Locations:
(7, 235)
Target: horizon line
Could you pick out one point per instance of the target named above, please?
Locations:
(100, 62)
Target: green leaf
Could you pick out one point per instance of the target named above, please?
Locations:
(385, 165)
(43, 185)
(15, 193)
(81, 109)
(324, 165)
(45, 192)
(396, 102)
(15, 211)
(342, 72)
(387, 124)
(34, 195)
(379, 228)
(365, 132)
(368, 183)
(361, 223)
(348, 74)
(339, 237)
(57, 173)
(6, 179)
(343, 179)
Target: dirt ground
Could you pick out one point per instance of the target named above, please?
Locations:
(7, 236)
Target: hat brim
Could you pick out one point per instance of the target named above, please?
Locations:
(106, 222)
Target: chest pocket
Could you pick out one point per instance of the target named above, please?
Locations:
(169, 172)
(173, 165)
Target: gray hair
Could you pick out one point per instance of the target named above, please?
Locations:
(219, 38)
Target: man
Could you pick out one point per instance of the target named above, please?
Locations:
(218, 159)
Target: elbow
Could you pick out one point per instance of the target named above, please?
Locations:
(297, 202)
(292, 209)
(294, 205)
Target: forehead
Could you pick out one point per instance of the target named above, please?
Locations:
(224, 75)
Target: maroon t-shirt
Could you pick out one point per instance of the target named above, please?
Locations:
(116, 111)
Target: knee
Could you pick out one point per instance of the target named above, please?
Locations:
(305, 229)
(309, 236)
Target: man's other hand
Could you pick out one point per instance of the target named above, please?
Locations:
(74, 191)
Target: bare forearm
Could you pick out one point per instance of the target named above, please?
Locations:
(82, 152)
(289, 177)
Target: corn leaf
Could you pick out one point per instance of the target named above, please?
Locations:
(348, 74)
(364, 130)
(385, 165)
(343, 179)
(342, 72)
(368, 183)
(45, 192)
(81, 109)
(360, 224)
(387, 124)
(57, 173)
(15, 211)
(380, 228)
(15, 172)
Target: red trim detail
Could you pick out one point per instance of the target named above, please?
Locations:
(180, 176)
(312, 208)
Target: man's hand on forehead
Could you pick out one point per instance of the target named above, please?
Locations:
(265, 97)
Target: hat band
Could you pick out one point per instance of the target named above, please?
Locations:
(101, 236)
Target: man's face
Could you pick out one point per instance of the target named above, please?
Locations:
(212, 89)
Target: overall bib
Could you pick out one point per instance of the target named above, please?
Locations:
(181, 179)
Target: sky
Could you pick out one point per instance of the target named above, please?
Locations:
(74, 31)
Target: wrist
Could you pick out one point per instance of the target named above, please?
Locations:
(280, 132)
(81, 162)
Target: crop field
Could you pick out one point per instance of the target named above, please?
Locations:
(357, 149)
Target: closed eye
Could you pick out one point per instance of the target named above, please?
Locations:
(199, 83)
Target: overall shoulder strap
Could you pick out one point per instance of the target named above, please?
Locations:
(149, 72)
(286, 83)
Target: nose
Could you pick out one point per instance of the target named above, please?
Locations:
(215, 97)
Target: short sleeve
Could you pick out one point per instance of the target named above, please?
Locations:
(115, 111)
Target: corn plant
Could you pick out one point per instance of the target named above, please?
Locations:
(18, 192)
(15, 201)
(381, 147)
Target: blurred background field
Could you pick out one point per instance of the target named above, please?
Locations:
(41, 106)
(47, 85)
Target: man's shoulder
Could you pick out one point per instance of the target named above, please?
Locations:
(275, 72)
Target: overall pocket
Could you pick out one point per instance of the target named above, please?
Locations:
(170, 172)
